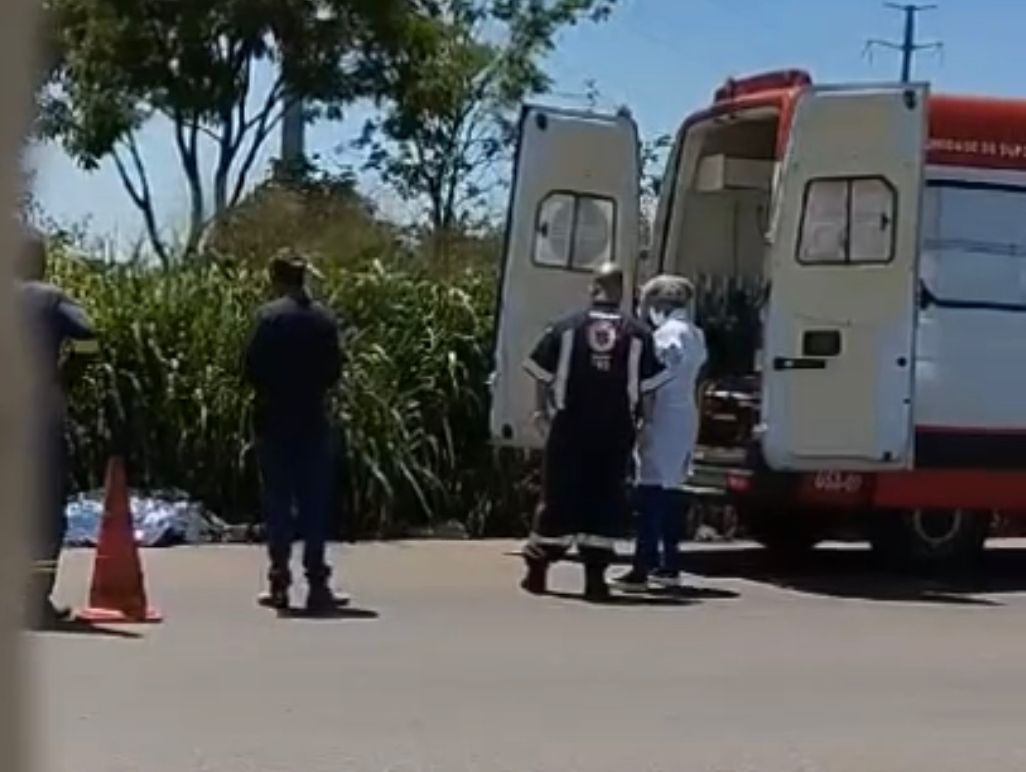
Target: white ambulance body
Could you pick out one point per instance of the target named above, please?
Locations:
(884, 231)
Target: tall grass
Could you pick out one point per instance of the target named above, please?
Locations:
(168, 392)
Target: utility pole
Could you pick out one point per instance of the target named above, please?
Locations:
(908, 46)
(293, 136)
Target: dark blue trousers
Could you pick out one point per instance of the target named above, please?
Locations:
(661, 515)
(297, 486)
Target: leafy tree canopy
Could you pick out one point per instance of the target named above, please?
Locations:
(449, 98)
(117, 63)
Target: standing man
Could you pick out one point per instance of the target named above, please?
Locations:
(667, 441)
(55, 323)
(293, 360)
(592, 370)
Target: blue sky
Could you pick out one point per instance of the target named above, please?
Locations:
(662, 58)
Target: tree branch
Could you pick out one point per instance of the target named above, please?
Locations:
(261, 125)
(187, 132)
(241, 117)
(209, 133)
(140, 194)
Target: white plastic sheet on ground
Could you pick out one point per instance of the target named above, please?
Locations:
(159, 519)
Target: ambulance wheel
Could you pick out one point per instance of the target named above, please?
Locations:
(929, 537)
(788, 535)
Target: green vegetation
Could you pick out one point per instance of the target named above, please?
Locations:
(445, 79)
(168, 391)
(446, 75)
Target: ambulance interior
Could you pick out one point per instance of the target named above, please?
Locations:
(713, 225)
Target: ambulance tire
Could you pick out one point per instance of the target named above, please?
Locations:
(790, 536)
(929, 538)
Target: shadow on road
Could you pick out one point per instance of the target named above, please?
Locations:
(78, 627)
(342, 612)
(848, 572)
(852, 573)
(692, 593)
(633, 599)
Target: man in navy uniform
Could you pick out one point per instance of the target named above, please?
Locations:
(592, 368)
(57, 327)
(293, 360)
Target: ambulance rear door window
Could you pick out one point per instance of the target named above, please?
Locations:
(575, 231)
(848, 221)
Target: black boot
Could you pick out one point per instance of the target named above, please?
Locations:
(536, 580)
(277, 596)
(595, 587)
(321, 599)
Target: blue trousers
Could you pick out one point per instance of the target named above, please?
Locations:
(661, 515)
(296, 477)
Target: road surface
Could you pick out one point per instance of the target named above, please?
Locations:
(443, 666)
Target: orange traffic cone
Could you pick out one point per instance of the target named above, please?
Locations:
(118, 591)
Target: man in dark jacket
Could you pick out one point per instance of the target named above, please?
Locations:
(592, 368)
(293, 360)
(56, 325)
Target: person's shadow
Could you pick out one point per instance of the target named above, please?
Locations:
(339, 612)
(627, 600)
(80, 627)
(690, 593)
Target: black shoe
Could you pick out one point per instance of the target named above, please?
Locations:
(666, 580)
(322, 600)
(632, 581)
(595, 587)
(597, 592)
(537, 579)
(276, 598)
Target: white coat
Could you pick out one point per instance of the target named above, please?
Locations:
(667, 441)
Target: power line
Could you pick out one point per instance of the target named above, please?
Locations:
(908, 46)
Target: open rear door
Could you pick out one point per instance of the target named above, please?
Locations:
(574, 205)
(838, 368)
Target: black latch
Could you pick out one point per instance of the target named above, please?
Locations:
(799, 363)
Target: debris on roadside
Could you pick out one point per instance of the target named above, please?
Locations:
(160, 519)
(450, 530)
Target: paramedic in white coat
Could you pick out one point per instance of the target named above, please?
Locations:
(667, 440)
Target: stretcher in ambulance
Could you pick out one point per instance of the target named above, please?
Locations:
(877, 236)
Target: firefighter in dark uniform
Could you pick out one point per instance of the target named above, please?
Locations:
(592, 368)
(60, 333)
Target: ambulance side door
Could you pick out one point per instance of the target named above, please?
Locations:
(839, 354)
(574, 205)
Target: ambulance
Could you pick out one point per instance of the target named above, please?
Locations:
(878, 232)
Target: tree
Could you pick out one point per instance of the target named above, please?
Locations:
(319, 213)
(448, 119)
(119, 63)
(654, 155)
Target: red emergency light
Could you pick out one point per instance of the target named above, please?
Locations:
(739, 482)
(778, 80)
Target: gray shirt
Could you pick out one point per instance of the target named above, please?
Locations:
(51, 320)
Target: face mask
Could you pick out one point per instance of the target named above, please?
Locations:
(657, 317)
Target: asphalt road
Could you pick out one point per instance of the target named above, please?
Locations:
(444, 666)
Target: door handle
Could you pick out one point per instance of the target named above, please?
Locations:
(799, 363)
